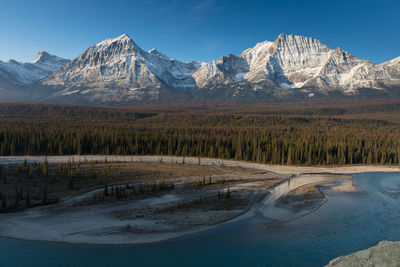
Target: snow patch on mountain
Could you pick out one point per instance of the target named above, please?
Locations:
(112, 67)
(287, 86)
(117, 68)
(28, 73)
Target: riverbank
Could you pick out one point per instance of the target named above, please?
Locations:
(127, 202)
(186, 209)
(281, 169)
(346, 223)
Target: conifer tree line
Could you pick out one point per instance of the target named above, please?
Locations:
(275, 139)
(286, 142)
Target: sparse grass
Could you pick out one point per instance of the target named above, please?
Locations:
(32, 184)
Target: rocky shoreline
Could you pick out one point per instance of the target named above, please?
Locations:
(385, 254)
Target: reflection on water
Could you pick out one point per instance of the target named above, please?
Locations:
(346, 223)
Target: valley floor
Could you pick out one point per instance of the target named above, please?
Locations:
(198, 194)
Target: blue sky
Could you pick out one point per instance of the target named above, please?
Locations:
(196, 29)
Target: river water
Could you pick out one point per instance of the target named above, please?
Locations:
(346, 223)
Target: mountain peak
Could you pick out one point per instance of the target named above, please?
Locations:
(123, 37)
(45, 59)
(153, 50)
(289, 37)
(13, 61)
(158, 53)
(284, 35)
(24, 73)
(120, 39)
(298, 44)
(290, 61)
(294, 38)
(41, 55)
(253, 52)
(120, 44)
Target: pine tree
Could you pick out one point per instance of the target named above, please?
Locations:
(228, 193)
(4, 202)
(105, 192)
(45, 168)
(71, 183)
(44, 199)
(27, 200)
(1, 173)
(17, 195)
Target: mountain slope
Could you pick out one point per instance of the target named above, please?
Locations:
(293, 59)
(297, 66)
(27, 73)
(10, 92)
(306, 63)
(118, 70)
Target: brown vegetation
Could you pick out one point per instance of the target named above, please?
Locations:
(32, 184)
(314, 132)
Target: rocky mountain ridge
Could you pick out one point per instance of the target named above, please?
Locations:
(291, 66)
(27, 73)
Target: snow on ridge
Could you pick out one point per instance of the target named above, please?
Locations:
(154, 51)
(290, 61)
(108, 41)
(27, 73)
(41, 54)
(124, 38)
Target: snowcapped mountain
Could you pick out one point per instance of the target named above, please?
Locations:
(28, 73)
(117, 69)
(303, 63)
(297, 65)
(49, 62)
(392, 67)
